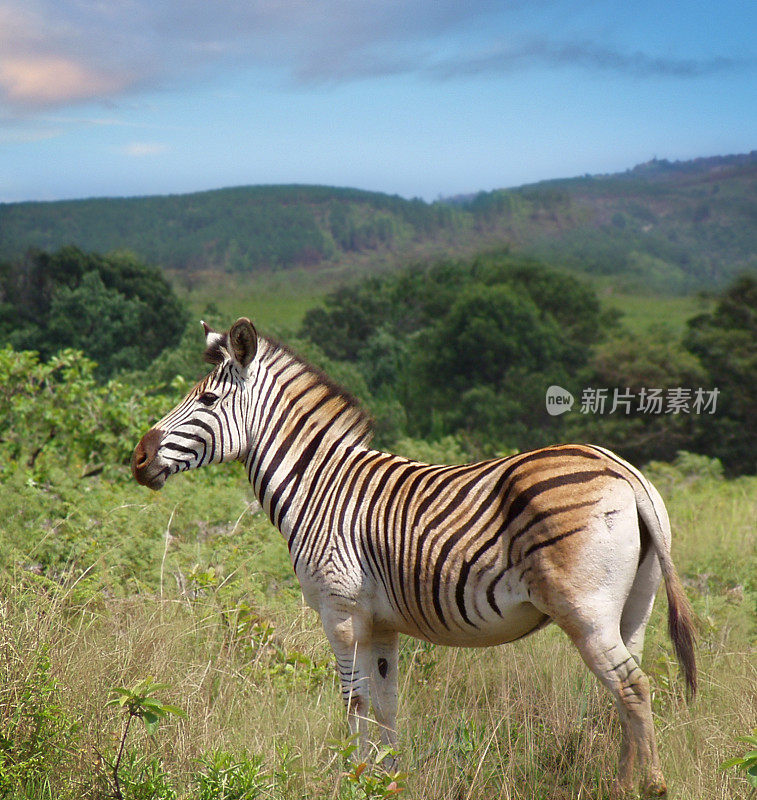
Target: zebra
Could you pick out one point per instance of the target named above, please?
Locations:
(472, 555)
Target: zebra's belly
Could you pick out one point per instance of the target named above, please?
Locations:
(513, 622)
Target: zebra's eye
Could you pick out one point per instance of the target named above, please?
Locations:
(207, 398)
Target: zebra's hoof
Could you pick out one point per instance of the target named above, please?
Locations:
(655, 787)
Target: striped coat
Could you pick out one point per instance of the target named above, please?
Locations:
(472, 555)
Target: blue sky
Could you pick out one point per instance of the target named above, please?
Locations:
(420, 98)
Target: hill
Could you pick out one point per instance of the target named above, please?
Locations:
(239, 229)
(672, 226)
(675, 226)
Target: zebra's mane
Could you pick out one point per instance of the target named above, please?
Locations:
(353, 419)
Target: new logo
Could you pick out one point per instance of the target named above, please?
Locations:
(559, 400)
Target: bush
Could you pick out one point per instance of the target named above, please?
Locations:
(56, 412)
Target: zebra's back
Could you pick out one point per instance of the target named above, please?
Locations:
(465, 555)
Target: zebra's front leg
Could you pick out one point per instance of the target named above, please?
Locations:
(349, 636)
(384, 674)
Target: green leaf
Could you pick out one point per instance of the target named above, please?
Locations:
(157, 687)
(179, 712)
(383, 752)
(151, 722)
(152, 703)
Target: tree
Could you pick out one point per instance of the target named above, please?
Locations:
(118, 311)
(464, 347)
(724, 341)
(633, 365)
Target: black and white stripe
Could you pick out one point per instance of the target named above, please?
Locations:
(469, 555)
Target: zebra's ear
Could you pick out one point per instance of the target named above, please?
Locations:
(215, 345)
(244, 341)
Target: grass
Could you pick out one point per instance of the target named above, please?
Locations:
(642, 311)
(208, 605)
(277, 301)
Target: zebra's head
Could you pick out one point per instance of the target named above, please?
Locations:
(209, 425)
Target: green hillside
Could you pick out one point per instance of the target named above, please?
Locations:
(236, 230)
(671, 227)
(675, 227)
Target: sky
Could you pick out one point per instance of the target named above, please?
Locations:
(421, 98)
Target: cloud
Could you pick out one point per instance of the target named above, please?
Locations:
(11, 134)
(142, 149)
(47, 80)
(104, 122)
(58, 52)
(55, 52)
(586, 55)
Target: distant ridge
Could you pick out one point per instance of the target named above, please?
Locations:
(236, 229)
(681, 225)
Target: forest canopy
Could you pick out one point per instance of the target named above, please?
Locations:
(467, 349)
(457, 354)
(464, 347)
(675, 228)
(118, 311)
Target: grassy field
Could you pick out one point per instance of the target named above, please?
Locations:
(272, 300)
(640, 312)
(277, 301)
(192, 587)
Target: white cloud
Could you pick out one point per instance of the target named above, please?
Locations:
(26, 135)
(57, 52)
(142, 149)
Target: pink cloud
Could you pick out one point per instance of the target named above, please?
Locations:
(49, 80)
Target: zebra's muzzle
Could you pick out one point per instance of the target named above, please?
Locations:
(144, 466)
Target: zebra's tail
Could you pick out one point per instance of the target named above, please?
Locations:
(680, 615)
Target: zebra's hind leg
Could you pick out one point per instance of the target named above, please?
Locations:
(350, 640)
(384, 673)
(638, 606)
(606, 655)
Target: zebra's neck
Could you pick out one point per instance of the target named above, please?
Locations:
(299, 418)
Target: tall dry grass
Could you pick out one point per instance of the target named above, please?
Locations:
(525, 720)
